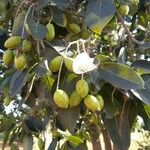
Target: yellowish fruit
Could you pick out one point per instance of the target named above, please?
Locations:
(51, 32)
(7, 100)
(55, 63)
(8, 57)
(69, 64)
(100, 100)
(13, 42)
(74, 28)
(26, 45)
(92, 103)
(75, 99)
(82, 88)
(41, 144)
(124, 10)
(20, 62)
(61, 98)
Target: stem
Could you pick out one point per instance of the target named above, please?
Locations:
(96, 144)
(107, 141)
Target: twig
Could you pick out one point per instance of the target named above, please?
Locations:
(128, 31)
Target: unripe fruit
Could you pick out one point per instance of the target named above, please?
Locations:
(55, 63)
(8, 57)
(13, 42)
(69, 64)
(124, 10)
(7, 101)
(51, 32)
(61, 98)
(20, 62)
(92, 103)
(41, 144)
(75, 99)
(82, 88)
(100, 100)
(26, 45)
(74, 28)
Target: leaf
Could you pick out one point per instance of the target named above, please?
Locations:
(147, 109)
(74, 140)
(98, 13)
(63, 3)
(82, 63)
(53, 145)
(143, 64)
(121, 76)
(144, 94)
(59, 17)
(18, 80)
(145, 45)
(37, 30)
(18, 24)
(42, 3)
(67, 118)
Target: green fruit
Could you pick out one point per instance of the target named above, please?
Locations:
(85, 34)
(92, 103)
(61, 98)
(41, 144)
(55, 64)
(8, 57)
(82, 88)
(13, 42)
(75, 99)
(51, 32)
(7, 100)
(74, 28)
(100, 100)
(69, 64)
(20, 62)
(124, 10)
(26, 45)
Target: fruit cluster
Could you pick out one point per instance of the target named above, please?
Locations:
(81, 92)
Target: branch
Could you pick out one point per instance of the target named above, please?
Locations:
(128, 31)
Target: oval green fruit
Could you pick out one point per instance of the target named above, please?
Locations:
(20, 62)
(41, 144)
(55, 64)
(69, 64)
(7, 100)
(51, 32)
(100, 100)
(124, 10)
(92, 103)
(26, 45)
(61, 98)
(8, 57)
(75, 99)
(82, 88)
(74, 28)
(13, 42)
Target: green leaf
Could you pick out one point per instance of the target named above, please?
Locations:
(142, 64)
(59, 17)
(18, 24)
(147, 109)
(18, 80)
(37, 30)
(121, 76)
(98, 13)
(74, 140)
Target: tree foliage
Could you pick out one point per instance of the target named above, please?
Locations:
(56, 43)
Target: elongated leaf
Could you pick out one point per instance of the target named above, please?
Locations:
(121, 76)
(59, 17)
(143, 64)
(42, 3)
(37, 30)
(18, 24)
(74, 140)
(145, 45)
(17, 82)
(53, 145)
(98, 13)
